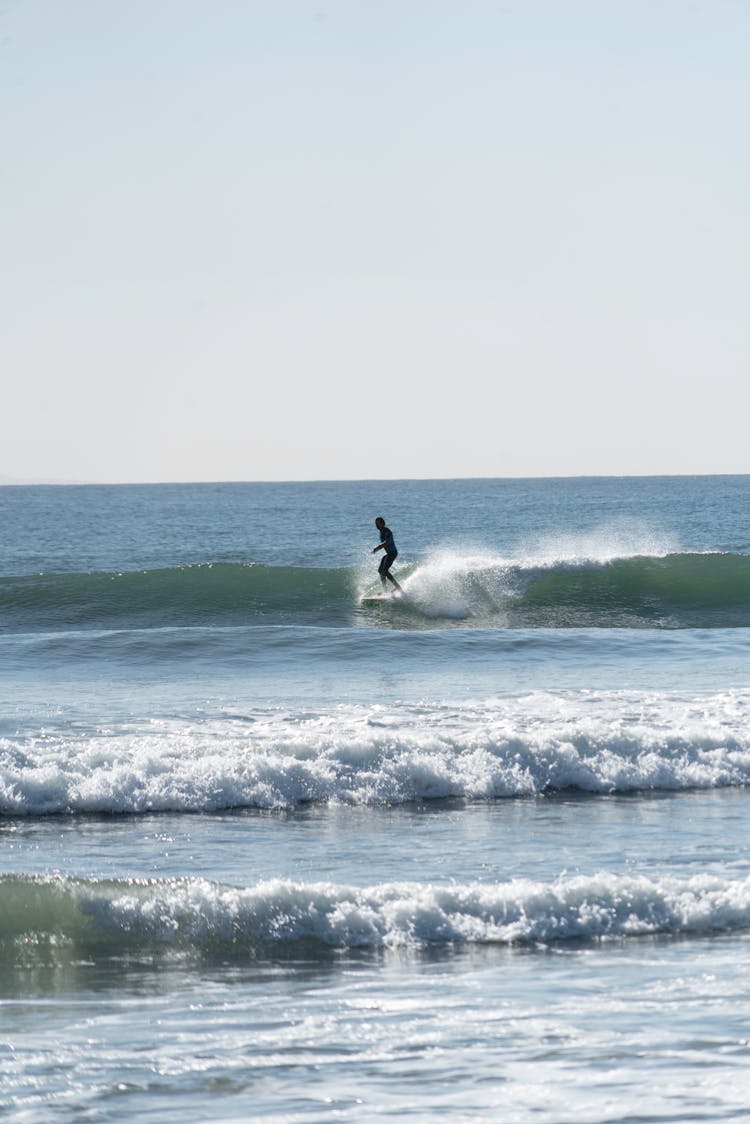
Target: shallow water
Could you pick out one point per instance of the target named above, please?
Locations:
(270, 852)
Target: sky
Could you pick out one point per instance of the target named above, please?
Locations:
(338, 239)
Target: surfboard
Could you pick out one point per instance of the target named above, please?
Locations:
(374, 598)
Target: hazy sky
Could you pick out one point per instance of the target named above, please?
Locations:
(338, 239)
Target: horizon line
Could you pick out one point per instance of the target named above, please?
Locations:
(44, 482)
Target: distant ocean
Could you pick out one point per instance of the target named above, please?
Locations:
(272, 851)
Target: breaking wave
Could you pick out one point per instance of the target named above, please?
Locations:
(677, 590)
(98, 916)
(592, 741)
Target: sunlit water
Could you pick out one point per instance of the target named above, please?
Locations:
(269, 851)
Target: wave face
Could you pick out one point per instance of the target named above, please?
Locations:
(194, 914)
(223, 594)
(673, 591)
(593, 741)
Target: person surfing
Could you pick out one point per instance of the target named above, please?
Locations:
(391, 554)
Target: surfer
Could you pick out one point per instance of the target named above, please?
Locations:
(391, 554)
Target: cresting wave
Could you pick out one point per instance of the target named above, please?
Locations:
(196, 914)
(590, 741)
(673, 591)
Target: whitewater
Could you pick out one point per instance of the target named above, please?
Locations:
(272, 850)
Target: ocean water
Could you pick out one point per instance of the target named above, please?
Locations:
(269, 850)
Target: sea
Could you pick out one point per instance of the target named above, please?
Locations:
(272, 850)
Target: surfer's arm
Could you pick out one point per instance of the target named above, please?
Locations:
(375, 549)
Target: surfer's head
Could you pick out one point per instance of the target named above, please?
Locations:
(380, 522)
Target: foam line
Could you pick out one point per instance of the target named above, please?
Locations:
(197, 913)
(592, 741)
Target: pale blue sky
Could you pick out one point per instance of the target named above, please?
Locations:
(292, 240)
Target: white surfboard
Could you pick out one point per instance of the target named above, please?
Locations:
(375, 598)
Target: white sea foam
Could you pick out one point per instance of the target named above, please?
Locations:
(198, 912)
(456, 585)
(594, 741)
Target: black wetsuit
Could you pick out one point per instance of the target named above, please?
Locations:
(389, 555)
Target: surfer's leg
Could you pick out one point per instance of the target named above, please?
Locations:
(383, 569)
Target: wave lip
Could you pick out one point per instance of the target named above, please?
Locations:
(197, 914)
